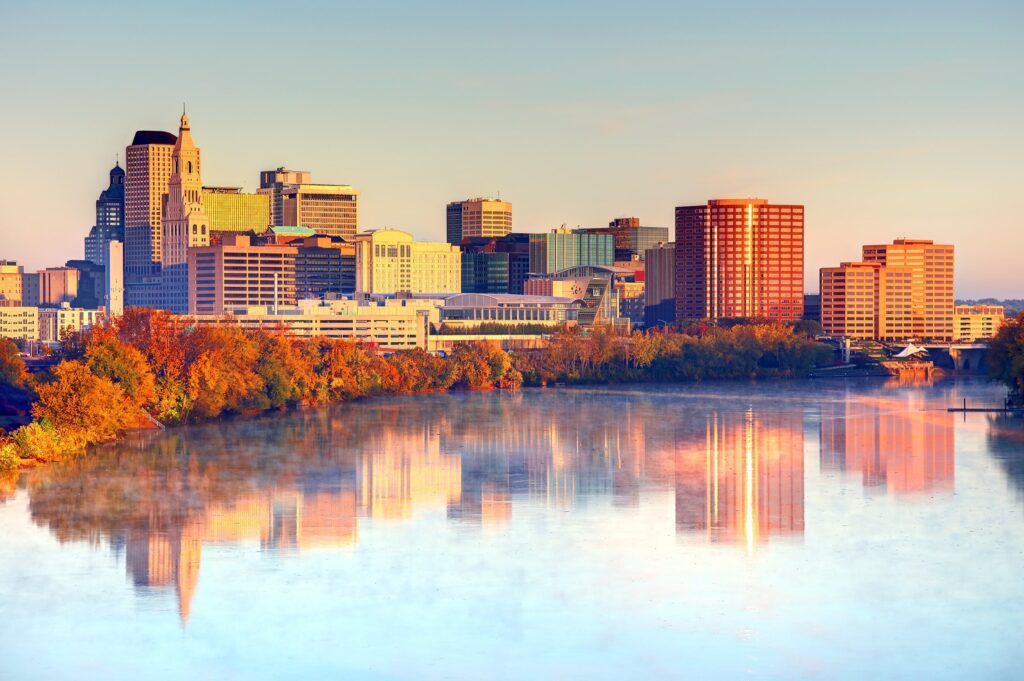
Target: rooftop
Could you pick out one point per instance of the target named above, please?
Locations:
(153, 137)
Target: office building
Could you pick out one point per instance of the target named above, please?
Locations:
(11, 276)
(931, 283)
(899, 292)
(30, 289)
(972, 323)
(56, 286)
(19, 323)
(389, 324)
(236, 274)
(740, 258)
(271, 184)
(109, 217)
(480, 217)
(389, 261)
(185, 224)
(495, 265)
(812, 307)
(90, 284)
(324, 265)
(229, 209)
(598, 288)
(56, 322)
(660, 285)
(631, 239)
(147, 172)
(113, 278)
(561, 249)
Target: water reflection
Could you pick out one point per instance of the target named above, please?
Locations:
(744, 479)
(733, 468)
(1006, 444)
(893, 443)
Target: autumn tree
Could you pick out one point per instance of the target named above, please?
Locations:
(1006, 357)
(78, 402)
(12, 366)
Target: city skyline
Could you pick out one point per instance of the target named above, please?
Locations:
(880, 131)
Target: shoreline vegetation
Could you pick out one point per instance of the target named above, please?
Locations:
(147, 365)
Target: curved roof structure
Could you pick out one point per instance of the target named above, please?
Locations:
(153, 137)
(504, 300)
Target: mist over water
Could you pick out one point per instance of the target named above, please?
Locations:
(840, 530)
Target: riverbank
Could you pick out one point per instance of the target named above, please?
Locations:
(147, 365)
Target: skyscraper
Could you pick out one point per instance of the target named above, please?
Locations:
(273, 181)
(109, 217)
(185, 221)
(329, 209)
(900, 291)
(479, 217)
(147, 171)
(931, 283)
(660, 285)
(740, 258)
(232, 210)
(631, 238)
(562, 249)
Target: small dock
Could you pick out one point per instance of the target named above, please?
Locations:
(1005, 409)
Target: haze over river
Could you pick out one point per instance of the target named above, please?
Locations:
(826, 530)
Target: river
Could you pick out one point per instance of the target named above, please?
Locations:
(825, 530)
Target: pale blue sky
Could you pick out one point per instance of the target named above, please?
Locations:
(886, 121)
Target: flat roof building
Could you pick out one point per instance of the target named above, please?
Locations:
(19, 323)
(147, 172)
(561, 249)
(972, 323)
(479, 217)
(390, 261)
(740, 258)
(11, 277)
(229, 209)
(235, 274)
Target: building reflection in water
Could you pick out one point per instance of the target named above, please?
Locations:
(743, 480)
(305, 481)
(893, 444)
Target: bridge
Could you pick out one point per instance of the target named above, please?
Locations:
(968, 358)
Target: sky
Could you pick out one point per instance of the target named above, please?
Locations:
(884, 119)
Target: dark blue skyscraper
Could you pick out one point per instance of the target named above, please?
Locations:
(109, 217)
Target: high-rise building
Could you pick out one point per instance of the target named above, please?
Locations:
(271, 184)
(389, 261)
(631, 239)
(11, 277)
(660, 285)
(495, 265)
(229, 209)
(109, 217)
(740, 258)
(330, 209)
(113, 278)
(480, 217)
(931, 283)
(186, 224)
(236, 274)
(147, 172)
(90, 284)
(901, 291)
(561, 249)
(324, 265)
(30, 289)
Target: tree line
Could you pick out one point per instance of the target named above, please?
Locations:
(148, 364)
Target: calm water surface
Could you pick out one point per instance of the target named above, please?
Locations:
(795, 530)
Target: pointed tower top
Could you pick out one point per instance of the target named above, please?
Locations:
(184, 121)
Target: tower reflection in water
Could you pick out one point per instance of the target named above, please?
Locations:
(895, 445)
(743, 481)
(305, 481)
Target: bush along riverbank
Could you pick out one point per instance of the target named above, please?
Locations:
(149, 365)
